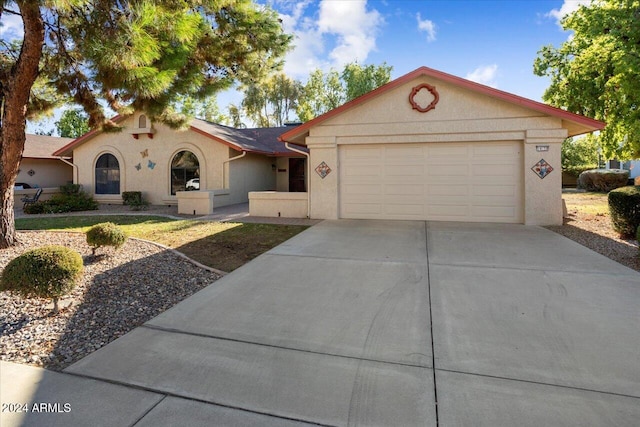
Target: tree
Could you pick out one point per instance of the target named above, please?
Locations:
(324, 92)
(133, 55)
(597, 71)
(73, 124)
(579, 155)
(270, 102)
(207, 109)
(359, 79)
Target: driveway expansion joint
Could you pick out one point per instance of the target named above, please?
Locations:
(166, 394)
(279, 347)
(568, 387)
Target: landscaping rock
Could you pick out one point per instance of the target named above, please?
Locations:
(603, 180)
(116, 294)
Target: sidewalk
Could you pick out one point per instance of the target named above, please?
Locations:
(230, 213)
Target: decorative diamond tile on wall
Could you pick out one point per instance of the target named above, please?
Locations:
(542, 168)
(323, 170)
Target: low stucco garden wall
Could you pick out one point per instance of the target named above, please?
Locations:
(278, 204)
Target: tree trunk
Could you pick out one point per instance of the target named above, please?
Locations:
(14, 98)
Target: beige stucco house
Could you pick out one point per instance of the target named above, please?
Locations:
(39, 168)
(201, 167)
(432, 146)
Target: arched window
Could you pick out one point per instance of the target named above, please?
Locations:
(142, 121)
(107, 175)
(185, 172)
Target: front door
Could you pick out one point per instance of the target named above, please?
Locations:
(297, 176)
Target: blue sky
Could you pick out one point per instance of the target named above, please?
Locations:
(490, 42)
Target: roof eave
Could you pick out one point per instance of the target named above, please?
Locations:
(299, 133)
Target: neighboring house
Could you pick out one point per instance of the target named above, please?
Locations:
(633, 166)
(207, 163)
(39, 167)
(432, 146)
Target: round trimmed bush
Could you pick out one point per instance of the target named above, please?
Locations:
(46, 272)
(624, 207)
(603, 180)
(105, 234)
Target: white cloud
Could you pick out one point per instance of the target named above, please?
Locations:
(484, 74)
(427, 26)
(11, 27)
(569, 6)
(344, 28)
(354, 27)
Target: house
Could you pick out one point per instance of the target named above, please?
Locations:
(205, 164)
(39, 168)
(432, 146)
(633, 166)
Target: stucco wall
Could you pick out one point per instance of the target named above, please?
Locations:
(49, 173)
(145, 164)
(460, 116)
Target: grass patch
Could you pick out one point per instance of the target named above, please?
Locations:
(587, 203)
(222, 245)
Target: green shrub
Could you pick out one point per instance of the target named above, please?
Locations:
(624, 207)
(105, 234)
(35, 208)
(46, 272)
(134, 200)
(71, 189)
(69, 200)
(603, 180)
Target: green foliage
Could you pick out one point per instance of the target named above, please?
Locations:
(360, 79)
(270, 102)
(579, 155)
(70, 199)
(638, 237)
(46, 272)
(324, 92)
(134, 200)
(624, 208)
(145, 55)
(73, 124)
(596, 72)
(105, 234)
(71, 189)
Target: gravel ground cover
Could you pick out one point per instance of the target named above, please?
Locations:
(588, 223)
(119, 291)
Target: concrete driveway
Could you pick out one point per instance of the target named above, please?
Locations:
(371, 323)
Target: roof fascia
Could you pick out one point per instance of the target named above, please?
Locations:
(587, 122)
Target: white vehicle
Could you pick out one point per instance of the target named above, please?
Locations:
(193, 184)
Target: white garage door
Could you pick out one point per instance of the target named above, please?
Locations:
(478, 182)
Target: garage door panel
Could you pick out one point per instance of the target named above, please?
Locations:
(454, 152)
(408, 210)
(357, 189)
(416, 190)
(403, 170)
(494, 190)
(442, 212)
(492, 213)
(445, 190)
(432, 181)
(448, 170)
